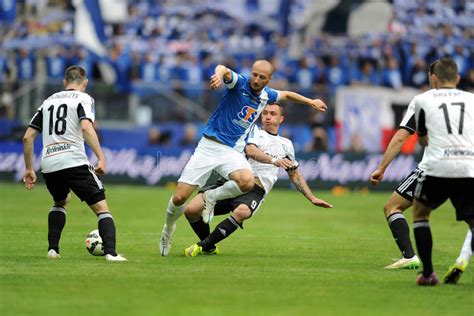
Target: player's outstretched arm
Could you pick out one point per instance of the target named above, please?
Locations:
(392, 150)
(29, 177)
(220, 72)
(93, 141)
(300, 183)
(316, 104)
(252, 151)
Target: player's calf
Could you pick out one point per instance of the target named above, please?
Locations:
(56, 222)
(223, 230)
(107, 232)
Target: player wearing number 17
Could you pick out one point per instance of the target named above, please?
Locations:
(445, 125)
(66, 118)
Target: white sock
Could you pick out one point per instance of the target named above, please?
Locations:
(228, 190)
(466, 251)
(173, 212)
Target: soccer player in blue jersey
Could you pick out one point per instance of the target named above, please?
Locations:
(224, 138)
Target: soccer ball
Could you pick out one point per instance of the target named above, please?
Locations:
(94, 243)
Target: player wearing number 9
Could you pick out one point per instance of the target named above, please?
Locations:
(66, 120)
(266, 151)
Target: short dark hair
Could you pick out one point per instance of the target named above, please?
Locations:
(279, 105)
(75, 74)
(445, 69)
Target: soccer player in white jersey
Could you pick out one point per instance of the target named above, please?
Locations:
(224, 139)
(267, 152)
(402, 198)
(445, 125)
(66, 119)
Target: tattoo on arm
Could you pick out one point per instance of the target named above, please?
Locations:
(301, 185)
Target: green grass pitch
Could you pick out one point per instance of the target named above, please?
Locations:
(291, 259)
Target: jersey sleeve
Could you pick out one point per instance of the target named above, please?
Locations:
(408, 122)
(254, 136)
(273, 95)
(86, 109)
(420, 119)
(235, 81)
(37, 120)
(421, 130)
(290, 154)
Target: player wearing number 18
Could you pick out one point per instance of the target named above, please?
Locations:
(66, 119)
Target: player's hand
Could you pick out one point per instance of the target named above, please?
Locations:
(318, 105)
(29, 178)
(216, 81)
(320, 203)
(284, 163)
(100, 168)
(376, 177)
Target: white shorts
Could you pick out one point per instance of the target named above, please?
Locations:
(209, 156)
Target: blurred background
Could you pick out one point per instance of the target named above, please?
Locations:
(149, 62)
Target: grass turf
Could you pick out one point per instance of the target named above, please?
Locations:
(291, 259)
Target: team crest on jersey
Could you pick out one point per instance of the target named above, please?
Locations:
(246, 116)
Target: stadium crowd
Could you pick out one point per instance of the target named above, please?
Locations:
(175, 45)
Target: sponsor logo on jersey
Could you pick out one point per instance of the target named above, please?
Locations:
(57, 148)
(247, 114)
(246, 117)
(458, 152)
(65, 95)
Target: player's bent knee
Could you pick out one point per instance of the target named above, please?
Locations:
(100, 207)
(179, 199)
(191, 212)
(389, 209)
(241, 213)
(181, 195)
(246, 183)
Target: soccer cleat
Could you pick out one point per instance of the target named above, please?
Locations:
(455, 271)
(432, 280)
(165, 240)
(208, 211)
(117, 258)
(193, 250)
(404, 263)
(213, 251)
(52, 254)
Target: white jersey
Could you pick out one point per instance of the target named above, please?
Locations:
(272, 145)
(59, 119)
(447, 117)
